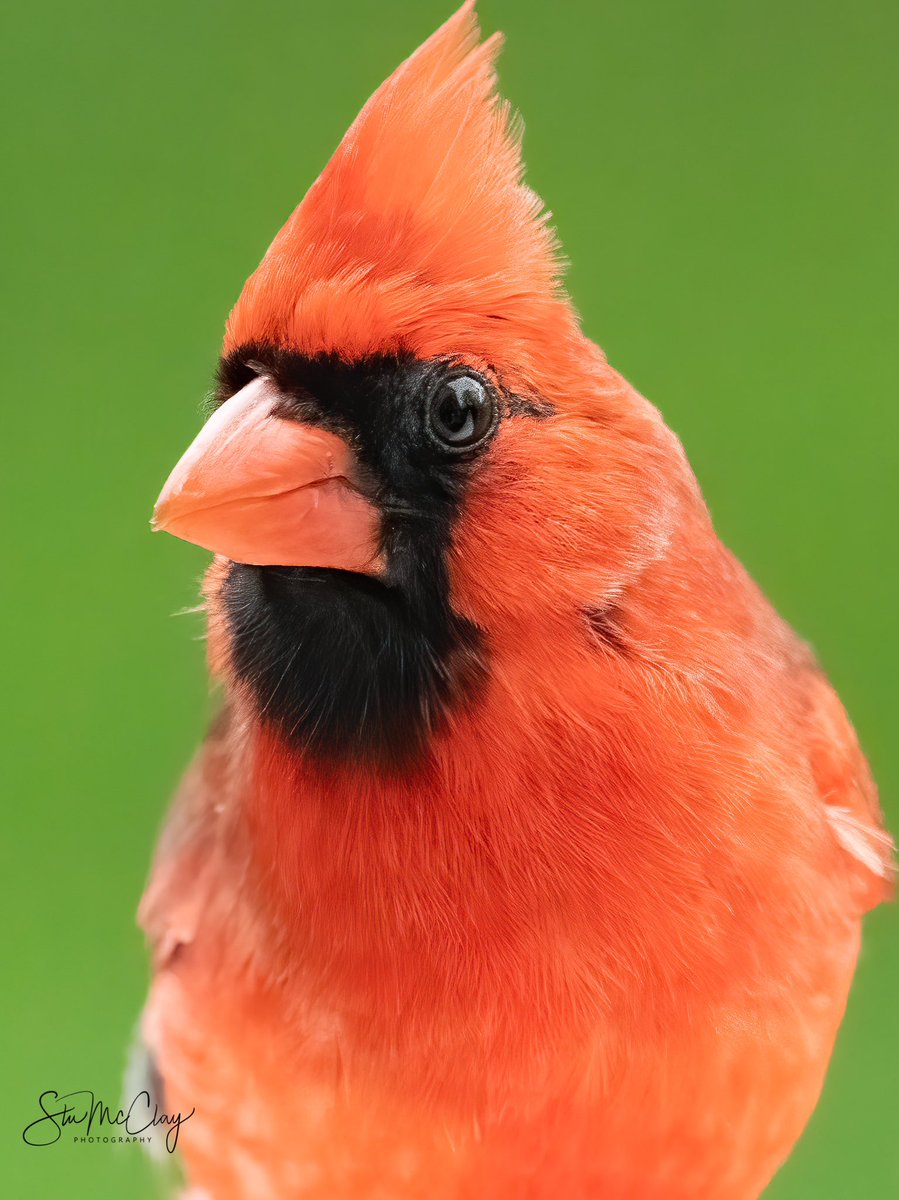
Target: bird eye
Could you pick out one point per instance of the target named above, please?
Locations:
(461, 413)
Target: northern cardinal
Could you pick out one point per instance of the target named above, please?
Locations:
(529, 853)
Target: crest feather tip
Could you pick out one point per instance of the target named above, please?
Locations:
(419, 232)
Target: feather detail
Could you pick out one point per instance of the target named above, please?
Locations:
(869, 846)
(419, 234)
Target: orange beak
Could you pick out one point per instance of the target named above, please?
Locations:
(265, 490)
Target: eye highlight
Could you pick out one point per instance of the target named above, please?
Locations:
(461, 413)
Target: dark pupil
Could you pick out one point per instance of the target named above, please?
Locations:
(456, 414)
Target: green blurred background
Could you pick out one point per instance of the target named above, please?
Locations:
(725, 180)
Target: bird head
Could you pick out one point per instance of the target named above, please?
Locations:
(418, 463)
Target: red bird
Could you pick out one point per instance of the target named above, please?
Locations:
(529, 853)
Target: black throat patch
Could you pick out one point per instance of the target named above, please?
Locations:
(342, 664)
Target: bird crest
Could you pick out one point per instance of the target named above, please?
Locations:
(419, 235)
